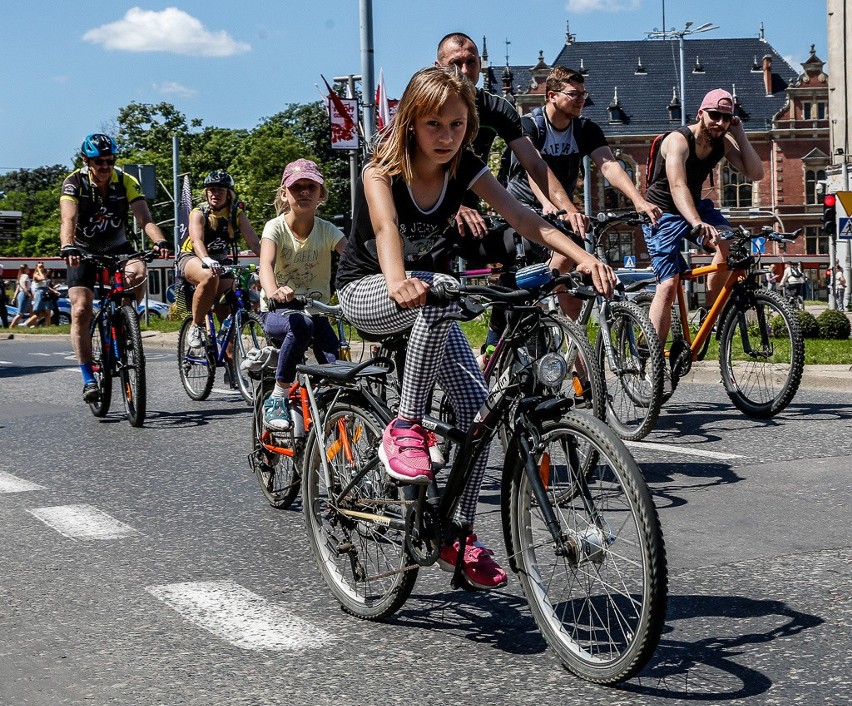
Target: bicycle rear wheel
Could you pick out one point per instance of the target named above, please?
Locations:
(249, 335)
(355, 522)
(601, 604)
(132, 366)
(101, 361)
(279, 475)
(197, 367)
(762, 354)
(634, 381)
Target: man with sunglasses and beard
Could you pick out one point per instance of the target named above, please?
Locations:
(687, 157)
(94, 206)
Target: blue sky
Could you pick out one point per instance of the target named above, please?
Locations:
(68, 67)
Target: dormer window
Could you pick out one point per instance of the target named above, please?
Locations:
(674, 107)
(640, 70)
(583, 70)
(755, 67)
(698, 68)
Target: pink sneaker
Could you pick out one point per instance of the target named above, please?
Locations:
(479, 569)
(405, 453)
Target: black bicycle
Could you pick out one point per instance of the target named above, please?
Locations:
(116, 339)
(585, 541)
(238, 333)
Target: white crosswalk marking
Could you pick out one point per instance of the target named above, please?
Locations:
(82, 522)
(12, 484)
(680, 449)
(240, 617)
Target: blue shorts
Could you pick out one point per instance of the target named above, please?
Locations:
(664, 239)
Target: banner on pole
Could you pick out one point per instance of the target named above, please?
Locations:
(183, 212)
(343, 117)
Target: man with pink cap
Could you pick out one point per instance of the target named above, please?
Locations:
(687, 157)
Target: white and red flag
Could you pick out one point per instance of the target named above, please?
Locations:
(383, 114)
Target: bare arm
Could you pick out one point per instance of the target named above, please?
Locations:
(740, 153)
(532, 226)
(147, 225)
(248, 233)
(268, 256)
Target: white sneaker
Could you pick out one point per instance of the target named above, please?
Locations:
(194, 337)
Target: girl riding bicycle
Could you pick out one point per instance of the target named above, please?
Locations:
(295, 260)
(404, 202)
(214, 231)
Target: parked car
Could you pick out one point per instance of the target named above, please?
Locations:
(633, 280)
(156, 310)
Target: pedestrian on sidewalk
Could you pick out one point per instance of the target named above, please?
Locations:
(839, 283)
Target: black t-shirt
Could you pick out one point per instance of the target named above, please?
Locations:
(424, 233)
(562, 150)
(697, 170)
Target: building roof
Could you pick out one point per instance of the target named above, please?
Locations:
(733, 64)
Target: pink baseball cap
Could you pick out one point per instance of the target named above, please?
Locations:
(718, 99)
(301, 169)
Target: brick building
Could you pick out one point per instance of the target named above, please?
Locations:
(634, 96)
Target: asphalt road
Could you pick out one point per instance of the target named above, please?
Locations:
(143, 566)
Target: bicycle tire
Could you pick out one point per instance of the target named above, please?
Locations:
(363, 561)
(644, 300)
(101, 362)
(249, 335)
(764, 385)
(197, 370)
(132, 366)
(634, 390)
(601, 606)
(278, 475)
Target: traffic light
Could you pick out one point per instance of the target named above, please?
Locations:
(829, 214)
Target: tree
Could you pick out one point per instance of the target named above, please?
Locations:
(143, 127)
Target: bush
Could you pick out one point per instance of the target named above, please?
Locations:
(833, 324)
(807, 323)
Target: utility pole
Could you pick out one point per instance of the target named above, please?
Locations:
(368, 84)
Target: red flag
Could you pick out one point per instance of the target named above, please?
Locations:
(383, 116)
(341, 108)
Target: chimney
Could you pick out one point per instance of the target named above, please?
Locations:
(767, 73)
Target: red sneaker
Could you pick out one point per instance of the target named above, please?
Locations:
(479, 569)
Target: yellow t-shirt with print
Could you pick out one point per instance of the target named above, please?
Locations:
(303, 265)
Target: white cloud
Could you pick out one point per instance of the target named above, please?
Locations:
(172, 88)
(171, 30)
(582, 6)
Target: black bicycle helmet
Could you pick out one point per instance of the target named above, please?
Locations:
(99, 145)
(219, 177)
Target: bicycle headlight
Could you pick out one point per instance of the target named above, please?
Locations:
(551, 369)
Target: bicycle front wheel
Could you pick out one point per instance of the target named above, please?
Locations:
(197, 367)
(277, 474)
(634, 376)
(101, 361)
(600, 600)
(762, 354)
(249, 335)
(355, 518)
(132, 366)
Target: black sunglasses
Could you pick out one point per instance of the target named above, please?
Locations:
(716, 116)
(100, 161)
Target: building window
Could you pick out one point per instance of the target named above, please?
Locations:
(736, 189)
(816, 243)
(812, 178)
(813, 111)
(613, 199)
(619, 246)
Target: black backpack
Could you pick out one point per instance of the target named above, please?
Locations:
(505, 171)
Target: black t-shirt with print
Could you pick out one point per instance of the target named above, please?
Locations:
(423, 232)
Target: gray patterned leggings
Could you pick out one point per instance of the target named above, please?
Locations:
(435, 353)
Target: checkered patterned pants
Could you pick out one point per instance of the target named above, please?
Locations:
(435, 353)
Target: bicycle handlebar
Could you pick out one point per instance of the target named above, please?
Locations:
(442, 294)
(301, 302)
(113, 261)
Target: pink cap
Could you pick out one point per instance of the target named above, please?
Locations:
(301, 169)
(718, 99)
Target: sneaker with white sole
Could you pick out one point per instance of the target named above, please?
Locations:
(276, 414)
(404, 451)
(194, 339)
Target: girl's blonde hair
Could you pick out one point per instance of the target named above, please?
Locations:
(426, 94)
(213, 219)
(281, 204)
